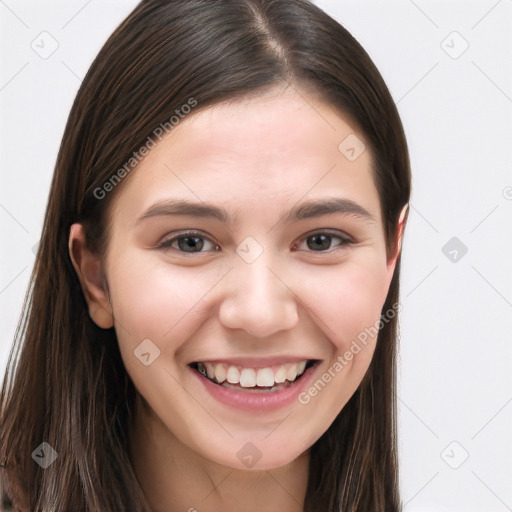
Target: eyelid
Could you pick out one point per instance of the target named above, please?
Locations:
(346, 239)
(330, 231)
(166, 243)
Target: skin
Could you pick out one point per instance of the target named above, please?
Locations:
(257, 158)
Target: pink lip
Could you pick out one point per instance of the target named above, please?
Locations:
(257, 402)
(257, 363)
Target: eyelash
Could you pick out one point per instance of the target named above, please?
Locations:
(345, 241)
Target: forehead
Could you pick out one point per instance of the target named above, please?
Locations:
(275, 149)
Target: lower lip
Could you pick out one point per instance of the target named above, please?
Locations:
(257, 402)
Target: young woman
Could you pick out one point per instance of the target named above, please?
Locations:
(211, 323)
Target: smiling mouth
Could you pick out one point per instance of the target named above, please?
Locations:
(269, 379)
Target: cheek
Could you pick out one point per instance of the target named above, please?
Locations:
(351, 300)
(155, 300)
(348, 310)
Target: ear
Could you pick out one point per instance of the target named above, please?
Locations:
(391, 264)
(90, 272)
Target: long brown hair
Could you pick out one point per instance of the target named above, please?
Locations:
(66, 383)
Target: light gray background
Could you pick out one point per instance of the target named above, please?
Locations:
(456, 353)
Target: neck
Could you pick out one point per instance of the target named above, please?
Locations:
(176, 478)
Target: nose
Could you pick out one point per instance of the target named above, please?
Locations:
(258, 299)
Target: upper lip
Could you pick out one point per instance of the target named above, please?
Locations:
(252, 362)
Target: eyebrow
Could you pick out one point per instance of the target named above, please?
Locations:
(303, 211)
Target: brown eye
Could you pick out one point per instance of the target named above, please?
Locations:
(321, 241)
(187, 242)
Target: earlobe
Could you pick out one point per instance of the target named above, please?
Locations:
(89, 269)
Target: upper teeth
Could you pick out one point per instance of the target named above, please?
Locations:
(250, 377)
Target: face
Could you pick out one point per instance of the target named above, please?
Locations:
(264, 282)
